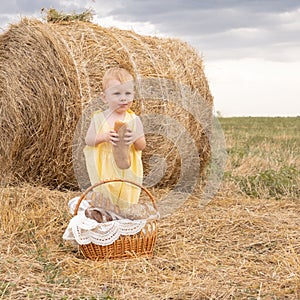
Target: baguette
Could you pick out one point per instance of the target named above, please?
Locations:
(101, 215)
(121, 150)
(118, 125)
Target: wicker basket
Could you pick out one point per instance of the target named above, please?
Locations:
(127, 246)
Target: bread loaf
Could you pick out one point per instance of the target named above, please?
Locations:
(101, 215)
(121, 150)
(118, 125)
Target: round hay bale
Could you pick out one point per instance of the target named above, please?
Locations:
(50, 80)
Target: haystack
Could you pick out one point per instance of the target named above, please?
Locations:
(50, 80)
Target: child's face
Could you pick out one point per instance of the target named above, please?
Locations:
(119, 96)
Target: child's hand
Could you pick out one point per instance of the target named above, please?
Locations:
(129, 137)
(111, 137)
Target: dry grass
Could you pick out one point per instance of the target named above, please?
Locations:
(54, 16)
(232, 249)
(263, 156)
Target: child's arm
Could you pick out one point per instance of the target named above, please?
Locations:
(140, 144)
(136, 138)
(93, 139)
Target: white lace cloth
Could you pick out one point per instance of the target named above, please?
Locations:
(84, 230)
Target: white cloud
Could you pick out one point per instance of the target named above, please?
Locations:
(143, 28)
(252, 87)
(291, 23)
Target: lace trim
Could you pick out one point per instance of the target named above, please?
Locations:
(84, 230)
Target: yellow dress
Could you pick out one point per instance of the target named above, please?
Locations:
(101, 165)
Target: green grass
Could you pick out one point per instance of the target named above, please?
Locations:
(263, 156)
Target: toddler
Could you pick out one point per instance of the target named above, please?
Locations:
(104, 143)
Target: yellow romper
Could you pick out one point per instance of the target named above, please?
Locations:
(101, 165)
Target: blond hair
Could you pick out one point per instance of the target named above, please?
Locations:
(119, 74)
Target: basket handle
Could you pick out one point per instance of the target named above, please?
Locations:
(113, 180)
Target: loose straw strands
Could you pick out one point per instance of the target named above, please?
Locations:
(233, 248)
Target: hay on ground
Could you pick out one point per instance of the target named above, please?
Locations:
(233, 249)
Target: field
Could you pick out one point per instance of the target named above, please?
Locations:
(245, 244)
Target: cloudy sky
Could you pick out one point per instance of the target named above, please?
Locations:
(251, 48)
